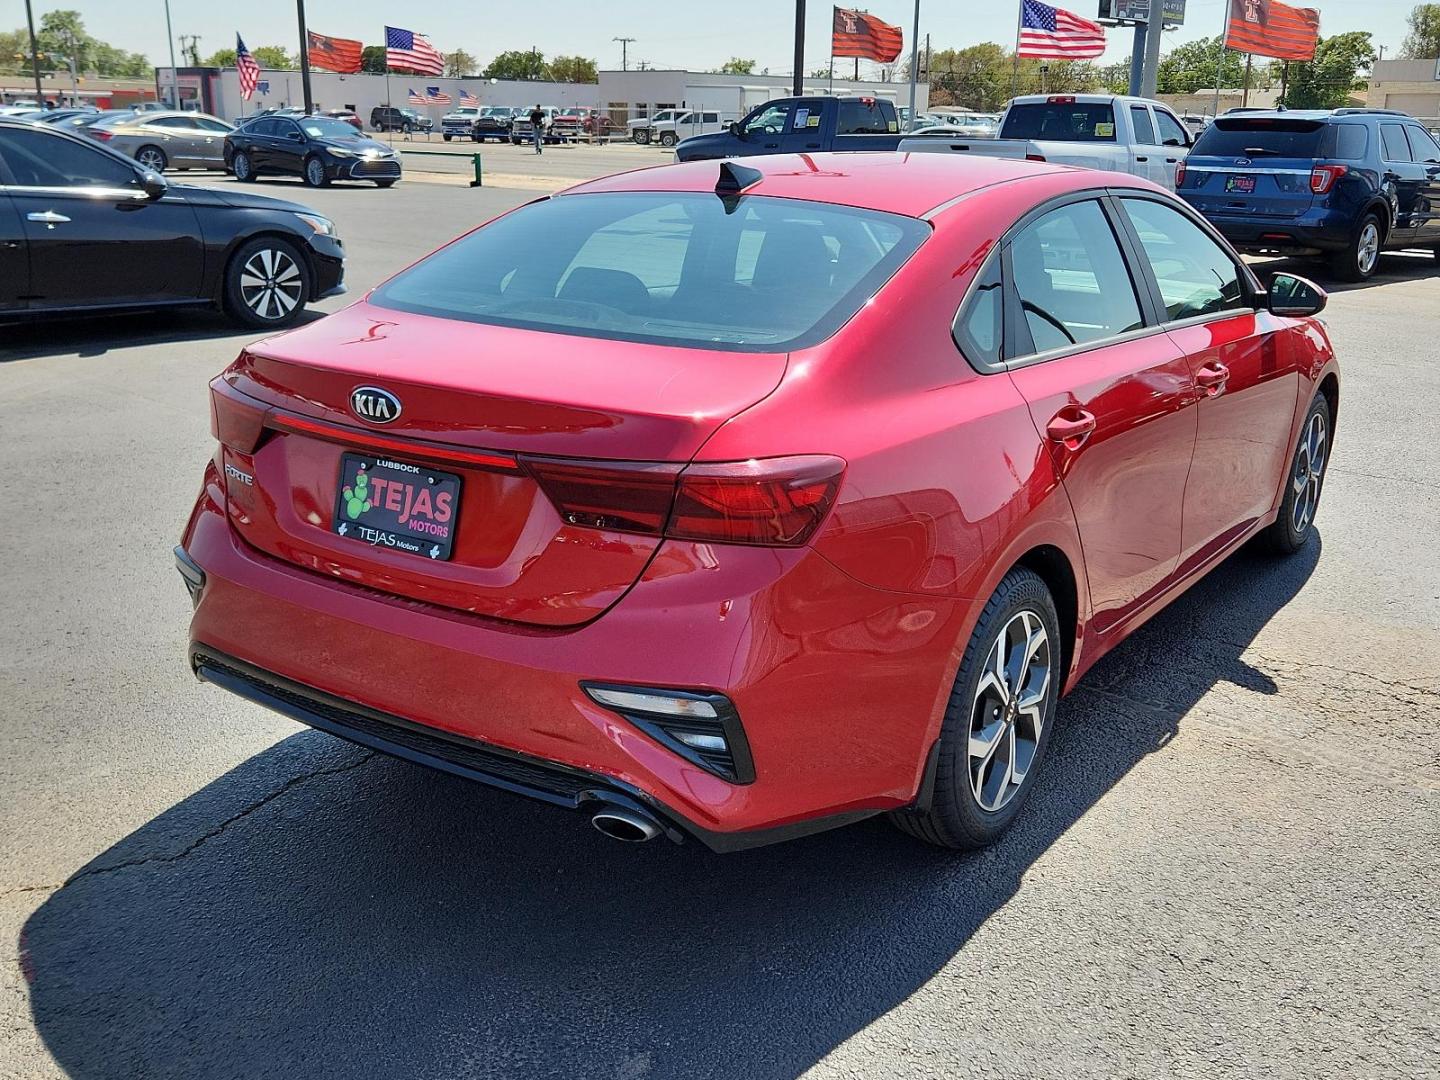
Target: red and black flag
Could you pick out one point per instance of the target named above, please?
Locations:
(857, 34)
(334, 54)
(1270, 28)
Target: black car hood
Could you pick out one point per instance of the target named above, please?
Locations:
(357, 145)
(241, 200)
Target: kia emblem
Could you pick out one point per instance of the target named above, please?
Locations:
(375, 405)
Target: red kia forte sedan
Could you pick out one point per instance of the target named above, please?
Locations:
(740, 501)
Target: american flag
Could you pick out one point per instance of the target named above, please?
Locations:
(467, 98)
(436, 96)
(249, 69)
(417, 99)
(1048, 33)
(409, 51)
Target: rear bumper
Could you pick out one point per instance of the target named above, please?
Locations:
(838, 686)
(1308, 233)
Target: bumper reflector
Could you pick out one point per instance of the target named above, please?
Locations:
(191, 574)
(703, 728)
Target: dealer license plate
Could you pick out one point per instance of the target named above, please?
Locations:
(1245, 185)
(393, 504)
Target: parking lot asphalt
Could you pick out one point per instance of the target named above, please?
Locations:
(1229, 867)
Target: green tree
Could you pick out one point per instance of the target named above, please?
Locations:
(516, 64)
(460, 64)
(221, 58)
(272, 56)
(1423, 40)
(62, 33)
(1196, 65)
(372, 59)
(576, 69)
(1327, 81)
(737, 66)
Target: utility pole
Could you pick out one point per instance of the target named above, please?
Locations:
(624, 51)
(1150, 77)
(798, 82)
(304, 59)
(34, 54)
(193, 49)
(915, 58)
(174, 70)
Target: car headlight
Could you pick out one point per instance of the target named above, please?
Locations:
(323, 226)
(340, 153)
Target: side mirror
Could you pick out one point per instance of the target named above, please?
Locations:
(1295, 296)
(153, 184)
(736, 130)
(293, 136)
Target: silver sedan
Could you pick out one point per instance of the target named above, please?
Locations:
(161, 140)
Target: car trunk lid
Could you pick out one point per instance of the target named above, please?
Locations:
(1256, 166)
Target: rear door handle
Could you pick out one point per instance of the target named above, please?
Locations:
(48, 217)
(1212, 377)
(812, 146)
(1071, 426)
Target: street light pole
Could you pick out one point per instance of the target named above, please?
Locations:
(914, 59)
(799, 80)
(34, 54)
(174, 71)
(304, 59)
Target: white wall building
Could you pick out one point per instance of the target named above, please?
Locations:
(631, 94)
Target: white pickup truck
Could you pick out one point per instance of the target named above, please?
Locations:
(1096, 131)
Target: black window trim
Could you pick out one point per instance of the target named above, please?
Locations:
(969, 348)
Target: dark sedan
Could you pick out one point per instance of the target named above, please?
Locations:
(317, 148)
(83, 229)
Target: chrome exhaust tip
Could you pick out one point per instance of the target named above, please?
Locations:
(627, 825)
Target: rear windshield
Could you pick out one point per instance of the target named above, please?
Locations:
(743, 275)
(1073, 122)
(1264, 136)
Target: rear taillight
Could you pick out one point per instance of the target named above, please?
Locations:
(103, 135)
(1034, 157)
(1323, 177)
(768, 501)
(1179, 173)
(235, 420)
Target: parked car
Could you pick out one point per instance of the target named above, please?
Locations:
(685, 124)
(573, 123)
(1346, 184)
(315, 148)
(796, 125)
(55, 116)
(84, 228)
(1097, 131)
(520, 131)
(165, 140)
(639, 128)
(350, 116)
(457, 523)
(392, 118)
(459, 123)
(494, 122)
(83, 123)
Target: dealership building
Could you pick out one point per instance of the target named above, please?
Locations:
(625, 95)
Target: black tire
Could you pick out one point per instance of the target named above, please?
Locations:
(514, 141)
(445, 137)
(643, 137)
(243, 167)
(955, 817)
(1291, 529)
(668, 139)
(1359, 258)
(314, 173)
(476, 138)
(149, 156)
(241, 302)
(384, 183)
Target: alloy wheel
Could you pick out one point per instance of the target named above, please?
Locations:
(1367, 251)
(152, 159)
(271, 284)
(1008, 713)
(1309, 473)
(241, 165)
(315, 172)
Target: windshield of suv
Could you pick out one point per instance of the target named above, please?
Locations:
(1256, 136)
(748, 275)
(327, 127)
(1060, 121)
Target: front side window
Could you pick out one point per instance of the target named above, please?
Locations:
(40, 159)
(1195, 275)
(1172, 132)
(670, 268)
(1071, 279)
(768, 121)
(1422, 145)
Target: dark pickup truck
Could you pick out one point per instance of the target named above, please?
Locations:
(800, 126)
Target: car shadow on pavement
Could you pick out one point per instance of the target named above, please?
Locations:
(1393, 266)
(319, 911)
(100, 334)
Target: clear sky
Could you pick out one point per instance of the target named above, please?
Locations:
(668, 34)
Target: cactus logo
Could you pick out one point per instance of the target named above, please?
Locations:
(375, 405)
(357, 497)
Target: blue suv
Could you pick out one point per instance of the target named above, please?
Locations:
(1345, 184)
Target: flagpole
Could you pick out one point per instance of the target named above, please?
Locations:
(1220, 66)
(914, 61)
(304, 59)
(1015, 58)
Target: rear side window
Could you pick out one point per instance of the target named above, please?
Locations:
(1144, 129)
(1392, 142)
(1073, 122)
(1195, 275)
(757, 275)
(1263, 136)
(862, 118)
(1351, 141)
(977, 328)
(1072, 280)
